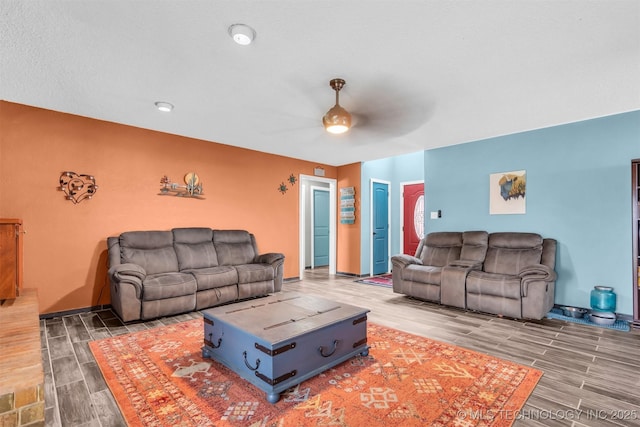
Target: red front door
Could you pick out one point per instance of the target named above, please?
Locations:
(413, 221)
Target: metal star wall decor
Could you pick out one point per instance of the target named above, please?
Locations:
(282, 188)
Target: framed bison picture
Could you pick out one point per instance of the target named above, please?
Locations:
(507, 193)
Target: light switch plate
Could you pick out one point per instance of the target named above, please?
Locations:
(434, 215)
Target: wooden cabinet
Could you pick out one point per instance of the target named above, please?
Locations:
(10, 258)
(635, 188)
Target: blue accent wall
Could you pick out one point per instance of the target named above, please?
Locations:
(395, 170)
(578, 192)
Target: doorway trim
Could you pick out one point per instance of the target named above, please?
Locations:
(389, 231)
(400, 230)
(307, 181)
(313, 188)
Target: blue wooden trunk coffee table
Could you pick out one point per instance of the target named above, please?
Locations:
(279, 341)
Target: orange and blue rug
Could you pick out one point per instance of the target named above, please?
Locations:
(159, 378)
(382, 280)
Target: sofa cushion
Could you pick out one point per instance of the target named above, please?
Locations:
(168, 285)
(194, 248)
(214, 277)
(192, 235)
(422, 274)
(196, 255)
(474, 245)
(249, 273)
(440, 248)
(234, 247)
(509, 253)
(499, 285)
(439, 257)
(152, 250)
(444, 239)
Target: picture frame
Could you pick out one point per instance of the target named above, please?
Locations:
(507, 193)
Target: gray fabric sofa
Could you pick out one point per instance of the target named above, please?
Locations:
(509, 273)
(161, 273)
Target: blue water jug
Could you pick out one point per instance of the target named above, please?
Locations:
(603, 299)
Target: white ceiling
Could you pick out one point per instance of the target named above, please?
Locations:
(419, 74)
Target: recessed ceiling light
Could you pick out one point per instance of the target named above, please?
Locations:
(165, 107)
(242, 34)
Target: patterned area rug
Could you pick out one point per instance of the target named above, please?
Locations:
(159, 378)
(382, 280)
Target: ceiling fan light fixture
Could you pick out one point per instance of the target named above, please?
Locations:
(242, 34)
(337, 120)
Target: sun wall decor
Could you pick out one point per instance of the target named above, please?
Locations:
(282, 188)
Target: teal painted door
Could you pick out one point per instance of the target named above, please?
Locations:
(380, 228)
(320, 228)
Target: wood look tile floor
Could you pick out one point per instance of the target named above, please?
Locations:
(591, 375)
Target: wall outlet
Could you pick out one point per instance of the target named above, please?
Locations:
(434, 215)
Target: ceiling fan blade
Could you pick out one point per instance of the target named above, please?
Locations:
(380, 111)
(389, 110)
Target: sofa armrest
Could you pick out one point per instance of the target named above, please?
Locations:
(535, 273)
(468, 264)
(270, 258)
(404, 260)
(129, 273)
(276, 260)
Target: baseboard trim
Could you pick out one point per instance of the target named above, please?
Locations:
(342, 273)
(76, 311)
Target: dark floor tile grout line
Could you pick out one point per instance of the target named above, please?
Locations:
(84, 379)
(55, 394)
(56, 408)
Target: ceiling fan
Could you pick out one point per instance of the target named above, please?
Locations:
(337, 120)
(383, 109)
(378, 110)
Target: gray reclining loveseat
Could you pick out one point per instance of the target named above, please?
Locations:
(161, 273)
(508, 273)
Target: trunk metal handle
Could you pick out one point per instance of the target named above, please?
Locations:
(321, 349)
(244, 353)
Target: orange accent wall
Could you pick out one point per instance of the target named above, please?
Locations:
(65, 251)
(348, 238)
